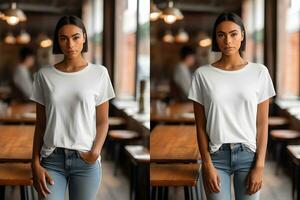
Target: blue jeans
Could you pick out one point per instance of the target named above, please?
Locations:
(236, 160)
(66, 167)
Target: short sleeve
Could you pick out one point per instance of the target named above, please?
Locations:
(266, 89)
(195, 92)
(37, 94)
(106, 89)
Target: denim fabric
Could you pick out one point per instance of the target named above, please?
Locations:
(67, 168)
(233, 160)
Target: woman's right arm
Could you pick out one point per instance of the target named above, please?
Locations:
(40, 175)
(210, 174)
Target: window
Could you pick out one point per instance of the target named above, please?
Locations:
(125, 48)
(288, 25)
(253, 17)
(92, 15)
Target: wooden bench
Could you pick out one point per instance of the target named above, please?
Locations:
(140, 158)
(294, 153)
(163, 176)
(281, 138)
(121, 138)
(15, 174)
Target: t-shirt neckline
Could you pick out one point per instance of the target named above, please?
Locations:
(72, 73)
(230, 71)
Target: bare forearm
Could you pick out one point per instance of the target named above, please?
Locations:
(203, 148)
(37, 145)
(101, 134)
(262, 140)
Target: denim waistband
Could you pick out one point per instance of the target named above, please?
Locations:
(230, 146)
(64, 151)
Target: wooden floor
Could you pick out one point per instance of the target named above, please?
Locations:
(117, 188)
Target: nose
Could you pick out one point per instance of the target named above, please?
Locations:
(228, 40)
(70, 43)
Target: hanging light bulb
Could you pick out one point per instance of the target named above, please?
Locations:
(44, 41)
(171, 14)
(182, 36)
(154, 12)
(204, 40)
(13, 15)
(168, 37)
(10, 38)
(23, 37)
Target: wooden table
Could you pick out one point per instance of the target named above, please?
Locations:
(20, 113)
(294, 152)
(174, 144)
(173, 113)
(16, 142)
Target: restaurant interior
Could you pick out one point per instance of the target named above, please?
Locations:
(181, 33)
(151, 149)
(118, 38)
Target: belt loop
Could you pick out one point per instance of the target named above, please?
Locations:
(243, 147)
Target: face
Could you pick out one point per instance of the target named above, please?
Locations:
(71, 40)
(29, 61)
(190, 60)
(229, 37)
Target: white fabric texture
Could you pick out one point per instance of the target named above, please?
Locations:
(70, 100)
(230, 100)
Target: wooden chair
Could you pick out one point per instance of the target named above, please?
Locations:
(16, 174)
(120, 139)
(140, 157)
(163, 176)
(281, 138)
(294, 153)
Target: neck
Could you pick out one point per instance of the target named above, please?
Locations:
(78, 61)
(231, 61)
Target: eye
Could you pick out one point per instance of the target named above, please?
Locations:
(62, 39)
(76, 38)
(220, 35)
(234, 34)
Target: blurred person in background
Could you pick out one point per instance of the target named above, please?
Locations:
(22, 78)
(182, 75)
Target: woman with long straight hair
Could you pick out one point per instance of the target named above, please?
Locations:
(72, 118)
(231, 105)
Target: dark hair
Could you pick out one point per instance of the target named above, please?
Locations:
(228, 16)
(65, 20)
(186, 51)
(25, 52)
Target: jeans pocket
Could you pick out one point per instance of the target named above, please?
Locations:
(83, 160)
(248, 149)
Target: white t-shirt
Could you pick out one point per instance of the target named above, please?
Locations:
(230, 99)
(70, 100)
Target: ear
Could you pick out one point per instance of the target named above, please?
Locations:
(84, 37)
(243, 34)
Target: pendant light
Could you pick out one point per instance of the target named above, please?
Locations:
(23, 37)
(154, 12)
(44, 41)
(168, 37)
(13, 15)
(171, 14)
(182, 36)
(9, 38)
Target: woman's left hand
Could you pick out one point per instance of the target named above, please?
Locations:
(254, 180)
(89, 156)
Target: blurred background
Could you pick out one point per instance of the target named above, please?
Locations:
(181, 42)
(119, 38)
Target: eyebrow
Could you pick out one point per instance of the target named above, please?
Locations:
(228, 32)
(71, 36)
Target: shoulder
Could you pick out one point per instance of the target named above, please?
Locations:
(202, 70)
(99, 69)
(261, 68)
(43, 71)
